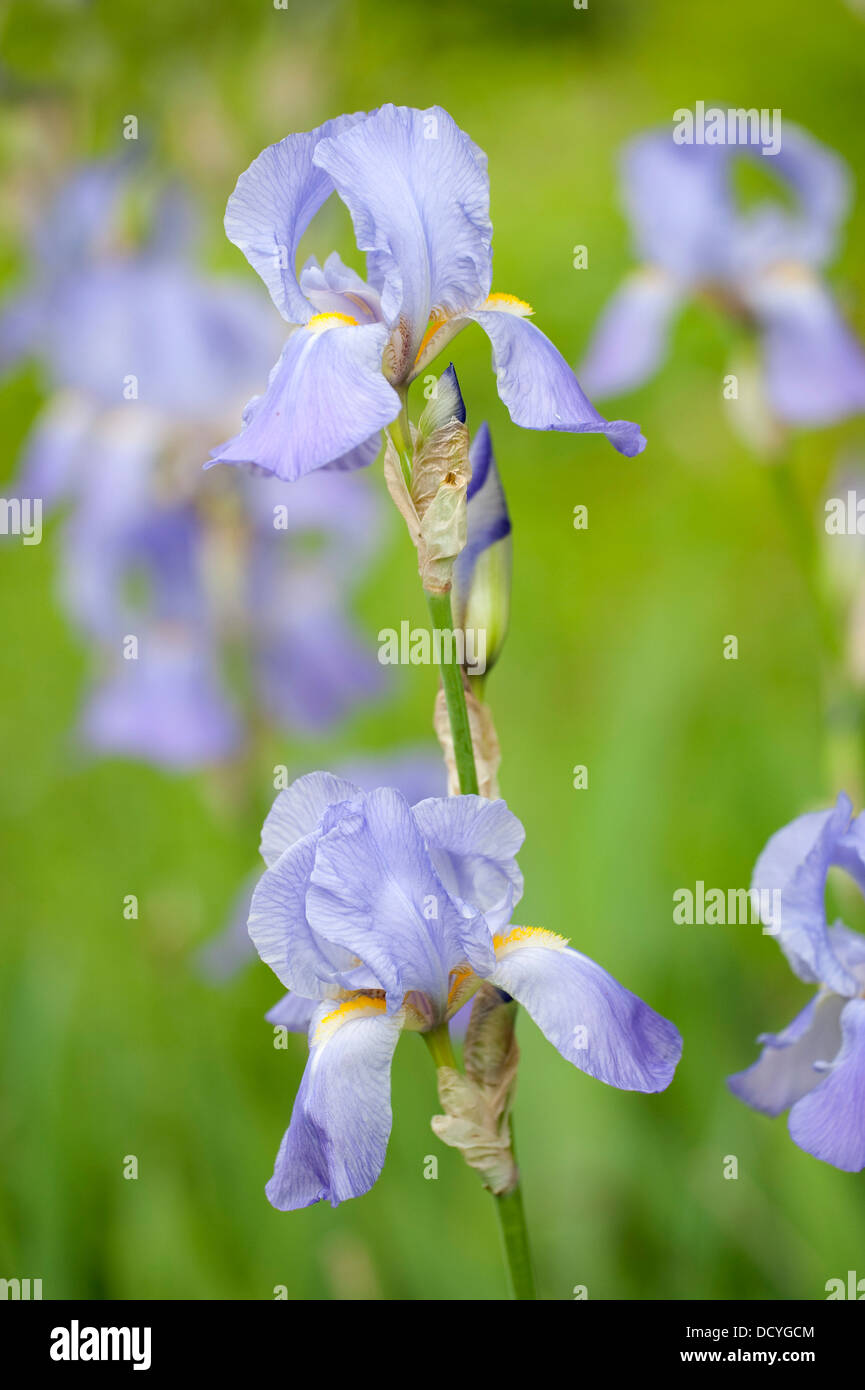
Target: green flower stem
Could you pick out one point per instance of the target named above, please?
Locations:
(509, 1205)
(455, 695)
(438, 1040)
(515, 1243)
(400, 432)
(843, 704)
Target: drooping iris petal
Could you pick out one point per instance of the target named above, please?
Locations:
(335, 1146)
(795, 863)
(814, 365)
(374, 891)
(23, 324)
(272, 205)
(539, 388)
(829, 1122)
(418, 193)
(166, 708)
(293, 1012)
(591, 1019)
(473, 843)
(313, 669)
(298, 809)
(784, 1072)
(326, 395)
(630, 341)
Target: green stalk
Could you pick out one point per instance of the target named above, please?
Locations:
(455, 696)
(515, 1243)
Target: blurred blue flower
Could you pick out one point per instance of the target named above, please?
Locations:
(379, 916)
(187, 564)
(816, 1066)
(762, 263)
(417, 190)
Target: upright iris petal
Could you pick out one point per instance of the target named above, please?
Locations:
(418, 193)
(273, 204)
(417, 190)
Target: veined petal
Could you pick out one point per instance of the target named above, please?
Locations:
(272, 205)
(795, 864)
(335, 1146)
(473, 843)
(281, 933)
(298, 809)
(815, 366)
(374, 891)
(537, 385)
(418, 193)
(630, 341)
(588, 1016)
(830, 1121)
(784, 1072)
(326, 396)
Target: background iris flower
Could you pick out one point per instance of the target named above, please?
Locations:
(418, 193)
(378, 916)
(816, 1066)
(189, 566)
(762, 263)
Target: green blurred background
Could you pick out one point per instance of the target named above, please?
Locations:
(112, 1044)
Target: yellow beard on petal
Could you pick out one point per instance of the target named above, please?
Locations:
(437, 319)
(348, 1008)
(319, 323)
(528, 936)
(509, 304)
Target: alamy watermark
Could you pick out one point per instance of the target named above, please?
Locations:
(421, 646)
(21, 516)
(715, 907)
(733, 126)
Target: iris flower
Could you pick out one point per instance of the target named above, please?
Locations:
(377, 917)
(764, 264)
(158, 551)
(816, 1066)
(417, 190)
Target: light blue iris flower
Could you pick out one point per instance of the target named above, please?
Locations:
(816, 1066)
(379, 916)
(136, 541)
(763, 263)
(418, 193)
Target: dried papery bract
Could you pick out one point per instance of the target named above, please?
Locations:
(477, 1105)
(434, 505)
(485, 742)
